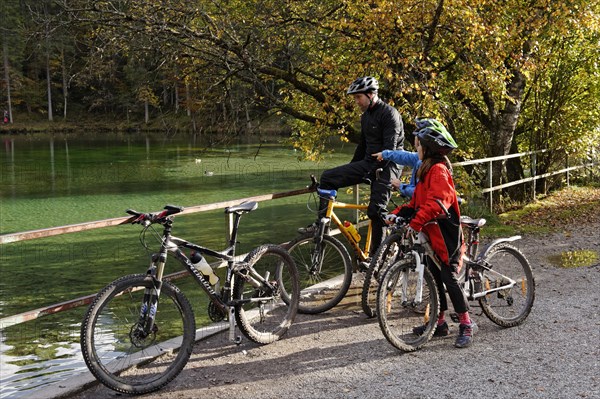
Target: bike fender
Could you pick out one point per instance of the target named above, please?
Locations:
(492, 244)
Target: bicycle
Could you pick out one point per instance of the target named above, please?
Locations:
(386, 254)
(139, 331)
(321, 258)
(499, 278)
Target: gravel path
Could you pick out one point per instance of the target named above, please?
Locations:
(342, 354)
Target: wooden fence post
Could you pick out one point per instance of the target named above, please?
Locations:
(491, 186)
(567, 167)
(533, 169)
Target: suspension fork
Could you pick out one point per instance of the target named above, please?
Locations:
(155, 272)
(420, 269)
(149, 305)
(317, 255)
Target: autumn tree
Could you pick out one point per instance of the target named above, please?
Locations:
(482, 66)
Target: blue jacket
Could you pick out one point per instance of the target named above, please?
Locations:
(406, 158)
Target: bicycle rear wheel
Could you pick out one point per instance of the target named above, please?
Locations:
(113, 348)
(399, 310)
(325, 272)
(508, 306)
(386, 254)
(261, 313)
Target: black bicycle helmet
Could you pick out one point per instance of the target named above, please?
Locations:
(434, 136)
(365, 84)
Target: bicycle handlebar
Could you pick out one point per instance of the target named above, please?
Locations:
(313, 183)
(153, 217)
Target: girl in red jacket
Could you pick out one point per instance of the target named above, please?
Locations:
(434, 183)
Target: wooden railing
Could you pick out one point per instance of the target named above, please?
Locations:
(74, 228)
(533, 178)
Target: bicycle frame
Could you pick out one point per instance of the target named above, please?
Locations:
(225, 303)
(421, 246)
(362, 254)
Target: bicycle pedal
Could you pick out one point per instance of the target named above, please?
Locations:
(363, 267)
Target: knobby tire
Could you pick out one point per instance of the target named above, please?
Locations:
(321, 289)
(133, 365)
(397, 319)
(385, 255)
(509, 307)
(266, 320)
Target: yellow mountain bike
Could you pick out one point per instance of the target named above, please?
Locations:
(324, 264)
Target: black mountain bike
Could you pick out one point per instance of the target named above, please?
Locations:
(139, 331)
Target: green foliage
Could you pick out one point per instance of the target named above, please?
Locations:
(503, 76)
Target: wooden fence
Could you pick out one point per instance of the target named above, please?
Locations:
(533, 178)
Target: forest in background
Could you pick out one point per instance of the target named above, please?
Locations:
(505, 77)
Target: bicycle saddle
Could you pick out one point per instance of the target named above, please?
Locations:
(327, 193)
(472, 222)
(243, 207)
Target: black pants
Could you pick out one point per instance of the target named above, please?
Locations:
(447, 277)
(355, 173)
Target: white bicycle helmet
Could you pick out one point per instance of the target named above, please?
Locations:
(365, 84)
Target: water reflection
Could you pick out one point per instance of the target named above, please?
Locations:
(23, 374)
(45, 183)
(9, 147)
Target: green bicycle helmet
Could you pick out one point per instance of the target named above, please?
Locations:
(365, 84)
(434, 136)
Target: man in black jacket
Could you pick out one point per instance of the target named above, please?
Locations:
(381, 129)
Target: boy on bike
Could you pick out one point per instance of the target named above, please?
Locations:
(403, 158)
(434, 183)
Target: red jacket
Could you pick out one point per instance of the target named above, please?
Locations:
(445, 235)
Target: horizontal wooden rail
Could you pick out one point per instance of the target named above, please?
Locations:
(76, 228)
(528, 179)
(498, 158)
(62, 306)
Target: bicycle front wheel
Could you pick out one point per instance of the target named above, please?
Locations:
(261, 312)
(511, 285)
(400, 309)
(325, 272)
(115, 350)
(386, 254)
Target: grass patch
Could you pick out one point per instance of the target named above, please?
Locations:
(572, 259)
(555, 212)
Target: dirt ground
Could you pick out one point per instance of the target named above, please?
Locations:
(343, 354)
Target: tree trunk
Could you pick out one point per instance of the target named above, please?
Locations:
(146, 112)
(506, 123)
(188, 99)
(176, 97)
(248, 121)
(65, 82)
(165, 94)
(514, 171)
(49, 86)
(7, 79)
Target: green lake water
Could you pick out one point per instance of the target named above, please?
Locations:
(48, 181)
